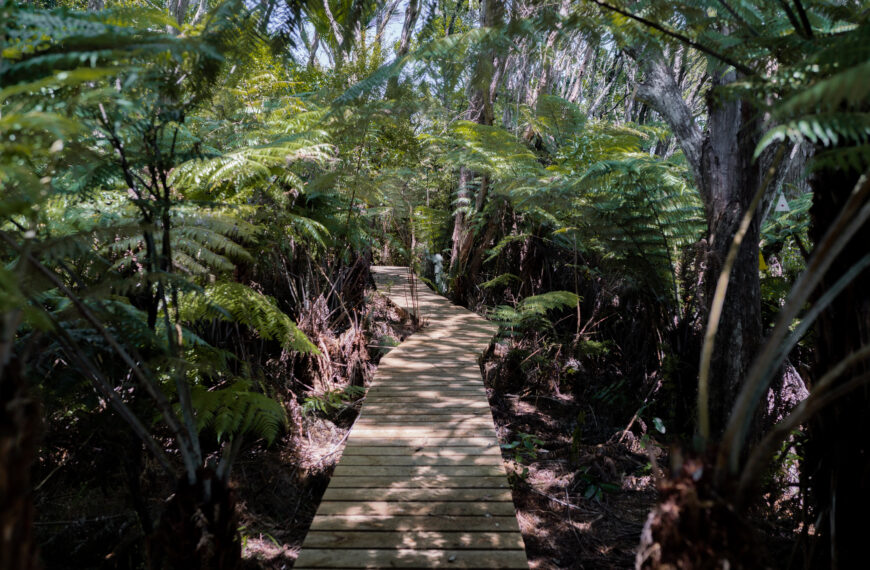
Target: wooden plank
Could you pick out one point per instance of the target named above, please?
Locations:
(423, 482)
(423, 414)
(427, 403)
(433, 393)
(372, 439)
(414, 409)
(416, 508)
(434, 523)
(406, 494)
(364, 471)
(408, 558)
(424, 384)
(440, 420)
(373, 460)
(354, 449)
(413, 364)
(429, 384)
(413, 432)
(415, 540)
(412, 406)
(405, 413)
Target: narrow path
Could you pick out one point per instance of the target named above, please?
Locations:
(421, 483)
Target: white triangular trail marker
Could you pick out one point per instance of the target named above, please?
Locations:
(782, 204)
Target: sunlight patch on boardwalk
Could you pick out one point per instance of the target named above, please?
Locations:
(421, 483)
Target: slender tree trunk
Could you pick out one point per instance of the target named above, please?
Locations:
(411, 14)
(178, 9)
(480, 100)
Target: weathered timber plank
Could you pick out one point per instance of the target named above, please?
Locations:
(354, 449)
(405, 432)
(372, 439)
(409, 413)
(435, 389)
(373, 460)
(440, 421)
(409, 558)
(406, 494)
(436, 378)
(423, 482)
(421, 414)
(417, 540)
(433, 523)
(408, 410)
(417, 470)
(416, 508)
(437, 400)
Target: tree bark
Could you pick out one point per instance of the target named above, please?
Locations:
(721, 164)
(729, 180)
(178, 10)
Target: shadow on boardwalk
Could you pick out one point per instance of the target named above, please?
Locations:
(421, 483)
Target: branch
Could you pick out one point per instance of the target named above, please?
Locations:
(804, 19)
(661, 91)
(791, 17)
(676, 35)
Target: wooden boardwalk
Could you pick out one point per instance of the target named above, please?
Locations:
(421, 483)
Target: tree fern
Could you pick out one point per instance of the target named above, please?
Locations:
(236, 411)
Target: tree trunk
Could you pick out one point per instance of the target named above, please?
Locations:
(480, 101)
(837, 463)
(720, 160)
(411, 14)
(19, 429)
(729, 180)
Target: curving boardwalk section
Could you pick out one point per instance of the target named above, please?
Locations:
(421, 483)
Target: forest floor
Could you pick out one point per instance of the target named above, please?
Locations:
(581, 508)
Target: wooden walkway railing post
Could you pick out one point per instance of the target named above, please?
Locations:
(421, 483)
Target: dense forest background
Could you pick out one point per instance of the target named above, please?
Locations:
(663, 203)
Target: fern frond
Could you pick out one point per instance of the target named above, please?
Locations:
(238, 303)
(237, 410)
